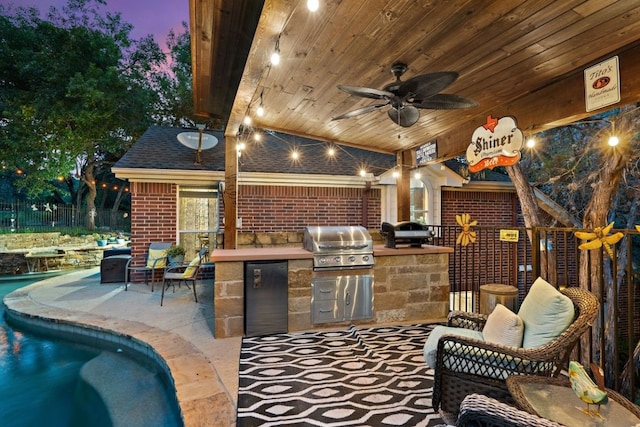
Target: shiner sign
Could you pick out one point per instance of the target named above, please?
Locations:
(496, 143)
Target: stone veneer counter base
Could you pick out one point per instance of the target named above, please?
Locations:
(410, 285)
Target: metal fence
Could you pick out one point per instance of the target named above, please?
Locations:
(506, 256)
(24, 217)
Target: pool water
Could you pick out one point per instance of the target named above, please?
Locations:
(41, 385)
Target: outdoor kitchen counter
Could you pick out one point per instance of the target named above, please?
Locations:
(410, 285)
(266, 254)
(259, 254)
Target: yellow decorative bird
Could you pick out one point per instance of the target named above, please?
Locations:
(599, 238)
(584, 387)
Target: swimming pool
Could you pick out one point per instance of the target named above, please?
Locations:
(52, 382)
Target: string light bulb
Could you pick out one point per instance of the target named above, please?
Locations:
(363, 173)
(613, 139)
(260, 110)
(313, 5)
(275, 56)
(531, 142)
(247, 120)
(331, 152)
(396, 174)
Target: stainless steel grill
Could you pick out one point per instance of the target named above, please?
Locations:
(339, 247)
(342, 280)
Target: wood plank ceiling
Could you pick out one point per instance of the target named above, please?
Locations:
(505, 52)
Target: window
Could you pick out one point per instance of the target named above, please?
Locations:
(198, 219)
(419, 201)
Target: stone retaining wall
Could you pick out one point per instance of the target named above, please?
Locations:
(76, 251)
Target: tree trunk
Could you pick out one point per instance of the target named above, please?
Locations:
(532, 219)
(91, 195)
(116, 205)
(591, 275)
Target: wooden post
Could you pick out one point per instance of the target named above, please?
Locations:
(403, 159)
(230, 192)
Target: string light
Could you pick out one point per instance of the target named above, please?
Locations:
(613, 139)
(313, 5)
(396, 174)
(417, 175)
(331, 152)
(531, 142)
(275, 56)
(260, 110)
(257, 136)
(363, 173)
(295, 155)
(247, 120)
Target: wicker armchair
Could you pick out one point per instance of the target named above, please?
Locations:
(465, 366)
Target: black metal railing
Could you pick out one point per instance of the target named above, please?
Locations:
(23, 217)
(517, 256)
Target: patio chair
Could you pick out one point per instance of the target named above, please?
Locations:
(154, 261)
(465, 363)
(183, 273)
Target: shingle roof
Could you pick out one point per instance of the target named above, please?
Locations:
(159, 148)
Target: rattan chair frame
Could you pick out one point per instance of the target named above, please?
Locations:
(478, 410)
(465, 366)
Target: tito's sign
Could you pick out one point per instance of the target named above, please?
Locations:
(496, 143)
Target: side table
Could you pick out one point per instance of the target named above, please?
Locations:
(553, 399)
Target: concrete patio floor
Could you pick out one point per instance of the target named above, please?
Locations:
(204, 369)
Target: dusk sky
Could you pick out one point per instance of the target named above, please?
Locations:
(155, 17)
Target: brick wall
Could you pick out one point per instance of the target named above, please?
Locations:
(153, 216)
(488, 208)
(279, 208)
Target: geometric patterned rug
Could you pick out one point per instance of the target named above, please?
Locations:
(356, 377)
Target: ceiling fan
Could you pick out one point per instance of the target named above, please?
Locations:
(406, 98)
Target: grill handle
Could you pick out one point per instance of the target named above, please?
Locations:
(337, 248)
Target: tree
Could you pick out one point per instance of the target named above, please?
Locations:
(595, 182)
(74, 86)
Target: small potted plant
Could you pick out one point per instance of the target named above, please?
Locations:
(101, 240)
(175, 254)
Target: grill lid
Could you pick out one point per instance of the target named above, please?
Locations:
(336, 239)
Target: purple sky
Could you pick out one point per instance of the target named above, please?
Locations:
(155, 17)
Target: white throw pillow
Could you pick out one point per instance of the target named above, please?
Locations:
(503, 327)
(546, 314)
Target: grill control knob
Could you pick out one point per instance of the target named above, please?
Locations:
(365, 258)
(352, 259)
(337, 260)
(322, 260)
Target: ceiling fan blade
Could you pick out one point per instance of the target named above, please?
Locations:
(359, 111)
(366, 92)
(445, 101)
(405, 116)
(426, 85)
